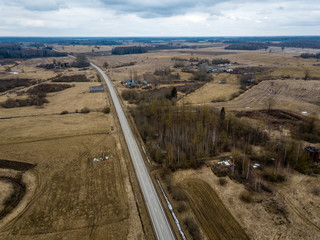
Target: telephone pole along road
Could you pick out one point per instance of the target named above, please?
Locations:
(159, 219)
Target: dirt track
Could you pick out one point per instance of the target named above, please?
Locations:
(214, 218)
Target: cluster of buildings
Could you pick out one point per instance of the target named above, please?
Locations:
(134, 84)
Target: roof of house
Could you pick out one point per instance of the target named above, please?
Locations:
(96, 88)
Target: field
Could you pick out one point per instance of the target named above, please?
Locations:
(295, 95)
(214, 218)
(260, 220)
(291, 211)
(81, 48)
(81, 186)
(214, 91)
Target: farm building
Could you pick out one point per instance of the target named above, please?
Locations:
(314, 153)
(94, 89)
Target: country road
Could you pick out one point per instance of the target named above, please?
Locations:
(158, 217)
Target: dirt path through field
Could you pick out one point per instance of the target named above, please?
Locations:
(214, 218)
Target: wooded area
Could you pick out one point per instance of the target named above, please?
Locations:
(17, 51)
(180, 136)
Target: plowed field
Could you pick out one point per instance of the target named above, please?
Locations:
(214, 218)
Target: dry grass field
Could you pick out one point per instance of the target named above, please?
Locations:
(80, 187)
(214, 91)
(259, 219)
(295, 95)
(81, 48)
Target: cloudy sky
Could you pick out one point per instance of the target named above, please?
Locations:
(159, 17)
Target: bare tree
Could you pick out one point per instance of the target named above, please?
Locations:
(270, 103)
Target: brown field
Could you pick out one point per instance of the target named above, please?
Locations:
(81, 48)
(69, 195)
(258, 219)
(214, 218)
(71, 99)
(295, 95)
(214, 91)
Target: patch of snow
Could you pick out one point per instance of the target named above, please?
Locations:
(100, 159)
(256, 165)
(145, 152)
(14, 73)
(226, 163)
(247, 107)
(304, 112)
(172, 212)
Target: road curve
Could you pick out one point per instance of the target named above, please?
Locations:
(159, 220)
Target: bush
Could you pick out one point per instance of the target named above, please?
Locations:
(9, 103)
(246, 197)
(182, 207)
(222, 181)
(64, 112)
(271, 175)
(178, 195)
(316, 191)
(85, 110)
(106, 110)
(192, 228)
(129, 95)
(47, 88)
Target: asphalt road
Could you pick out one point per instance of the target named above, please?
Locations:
(159, 220)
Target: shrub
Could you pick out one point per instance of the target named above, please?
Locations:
(265, 187)
(76, 111)
(46, 88)
(129, 95)
(182, 207)
(246, 196)
(106, 110)
(222, 181)
(9, 103)
(178, 195)
(219, 99)
(316, 191)
(192, 228)
(64, 112)
(85, 110)
(272, 176)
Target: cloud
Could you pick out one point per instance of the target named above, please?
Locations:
(161, 8)
(158, 18)
(38, 5)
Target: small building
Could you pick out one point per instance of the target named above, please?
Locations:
(314, 153)
(94, 89)
(131, 84)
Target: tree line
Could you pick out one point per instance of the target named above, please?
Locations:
(17, 51)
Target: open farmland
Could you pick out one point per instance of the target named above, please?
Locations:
(214, 91)
(81, 186)
(260, 220)
(295, 95)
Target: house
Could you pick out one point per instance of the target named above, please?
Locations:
(94, 89)
(131, 84)
(314, 153)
